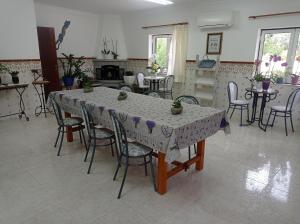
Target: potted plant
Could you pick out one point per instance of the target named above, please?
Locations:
(258, 80)
(3, 69)
(122, 95)
(129, 78)
(71, 69)
(295, 77)
(114, 51)
(176, 107)
(154, 68)
(105, 50)
(87, 85)
(14, 77)
(265, 78)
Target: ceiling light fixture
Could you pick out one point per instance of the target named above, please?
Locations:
(162, 2)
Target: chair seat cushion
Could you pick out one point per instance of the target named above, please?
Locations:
(135, 149)
(279, 108)
(102, 133)
(72, 121)
(239, 102)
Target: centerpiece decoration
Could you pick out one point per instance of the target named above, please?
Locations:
(176, 107)
(154, 68)
(87, 84)
(263, 79)
(295, 77)
(71, 69)
(122, 95)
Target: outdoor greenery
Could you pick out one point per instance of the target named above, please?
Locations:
(277, 44)
(162, 52)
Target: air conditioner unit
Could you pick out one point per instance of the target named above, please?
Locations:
(215, 20)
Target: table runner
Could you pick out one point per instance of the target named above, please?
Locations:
(146, 119)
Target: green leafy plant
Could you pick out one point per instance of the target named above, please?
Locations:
(259, 77)
(72, 66)
(176, 104)
(4, 68)
(129, 73)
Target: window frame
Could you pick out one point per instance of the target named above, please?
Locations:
(293, 43)
(152, 46)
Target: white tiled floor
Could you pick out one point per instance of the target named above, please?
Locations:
(249, 177)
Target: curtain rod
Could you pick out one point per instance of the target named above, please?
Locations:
(274, 14)
(171, 24)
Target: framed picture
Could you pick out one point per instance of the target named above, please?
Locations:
(214, 43)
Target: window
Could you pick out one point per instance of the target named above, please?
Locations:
(281, 42)
(160, 47)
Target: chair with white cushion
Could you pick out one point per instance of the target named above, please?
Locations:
(141, 83)
(285, 110)
(235, 103)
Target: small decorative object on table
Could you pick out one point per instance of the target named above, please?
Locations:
(266, 76)
(154, 68)
(14, 77)
(296, 77)
(176, 107)
(87, 85)
(122, 95)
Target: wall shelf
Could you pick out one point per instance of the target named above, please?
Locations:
(205, 83)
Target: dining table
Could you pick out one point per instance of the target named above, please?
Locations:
(154, 81)
(265, 96)
(149, 121)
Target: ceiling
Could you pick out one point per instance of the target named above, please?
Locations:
(106, 6)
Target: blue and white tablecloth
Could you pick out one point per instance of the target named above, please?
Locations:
(147, 120)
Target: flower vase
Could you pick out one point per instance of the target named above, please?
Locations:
(295, 79)
(266, 84)
(258, 85)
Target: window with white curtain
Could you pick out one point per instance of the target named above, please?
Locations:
(160, 47)
(281, 42)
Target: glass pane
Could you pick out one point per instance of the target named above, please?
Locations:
(296, 67)
(275, 44)
(161, 50)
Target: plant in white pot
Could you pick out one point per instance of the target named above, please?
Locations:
(129, 78)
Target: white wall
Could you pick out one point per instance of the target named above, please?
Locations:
(84, 36)
(111, 27)
(239, 41)
(81, 36)
(18, 30)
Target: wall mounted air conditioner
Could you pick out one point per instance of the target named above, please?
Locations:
(215, 20)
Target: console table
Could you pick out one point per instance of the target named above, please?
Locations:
(20, 89)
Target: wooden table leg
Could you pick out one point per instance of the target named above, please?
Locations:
(69, 129)
(200, 154)
(162, 173)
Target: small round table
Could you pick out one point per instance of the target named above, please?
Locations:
(266, 96)
(154, 82)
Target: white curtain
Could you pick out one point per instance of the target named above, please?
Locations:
(178, 53)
